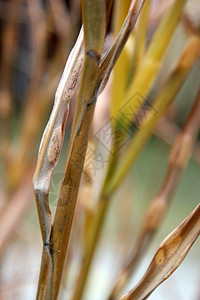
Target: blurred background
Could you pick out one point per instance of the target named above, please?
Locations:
(35, 40)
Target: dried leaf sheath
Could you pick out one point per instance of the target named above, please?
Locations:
(52, 139)
(168, 257)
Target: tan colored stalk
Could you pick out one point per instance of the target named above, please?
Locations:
(104, 71)
(168, 257)
(83, 215)
(178, 160)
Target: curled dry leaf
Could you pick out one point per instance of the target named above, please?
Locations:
(52, 139)
(168, 257)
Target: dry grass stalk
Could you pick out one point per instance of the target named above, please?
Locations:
(110, 185)
(104, 72)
